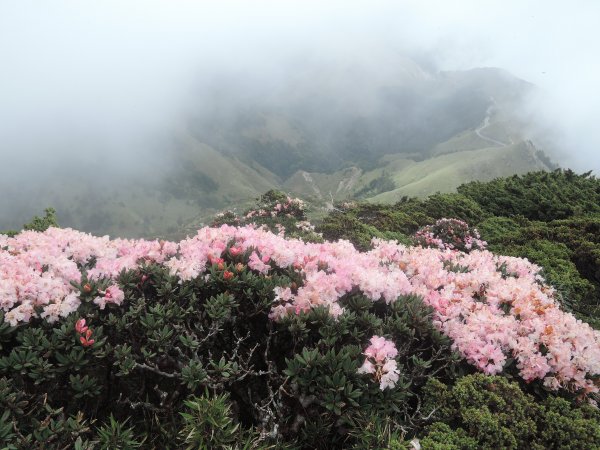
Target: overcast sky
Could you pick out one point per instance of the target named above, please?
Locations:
(105, 73)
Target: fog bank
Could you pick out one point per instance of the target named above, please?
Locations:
(99, 87)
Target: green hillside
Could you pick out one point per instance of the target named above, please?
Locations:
(446, 172)
(197, 179)
(407, 177)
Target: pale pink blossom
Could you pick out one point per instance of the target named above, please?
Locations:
(380, 362)
(496, 309)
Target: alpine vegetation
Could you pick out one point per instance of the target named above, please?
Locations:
(238, 337)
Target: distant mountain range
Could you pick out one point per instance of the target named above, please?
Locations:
(323, 136)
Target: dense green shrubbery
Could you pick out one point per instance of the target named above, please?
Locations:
(455, 206)
(490, 412)
(349, 224)
(278, 213)
(537, 195)
(360, 222)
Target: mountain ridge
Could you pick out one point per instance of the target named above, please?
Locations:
(417, 133)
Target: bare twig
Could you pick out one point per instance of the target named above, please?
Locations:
(157, 371)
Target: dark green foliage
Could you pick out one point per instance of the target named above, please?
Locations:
(42, 223)
(323, 375)
(537, 195)
(498, 229)
(29, 421)
(164, 344)
(490, 412)
(441, 437)
(383, 183)
(344, 225)
(453, 206)
(38, 223)
(360, 222)
(208, 423)
(377, 432)
(277, 212)
(116, 435)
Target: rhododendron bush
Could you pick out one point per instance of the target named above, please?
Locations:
(450, 234)
(496, 309)
(276, 211)
(303, 336)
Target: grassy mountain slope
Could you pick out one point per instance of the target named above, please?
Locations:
(232, 180)
(325, 119)
(446, 172)
(442, 173)
(155, 204)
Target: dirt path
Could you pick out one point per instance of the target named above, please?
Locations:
(483, 126)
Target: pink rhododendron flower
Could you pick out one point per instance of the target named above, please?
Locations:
(84, 332)
(381, 349)
(112, 294)
(80, 326)
(86, 340)
(367, 367)
(380, 362)
(492, 307)
(390, 375)
(235, 251)
(256, 263)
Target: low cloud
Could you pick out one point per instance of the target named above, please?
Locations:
(104, 84)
